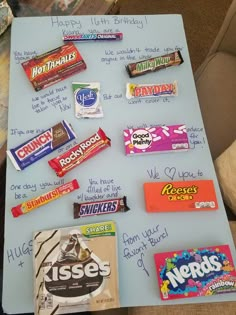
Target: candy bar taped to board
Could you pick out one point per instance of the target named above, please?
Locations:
(80, 153)
(180, 196)
(156, 139)
(45, 198)
(154, 64)
(151, 90)
(42, 144)
(100, 207)
(75, 269)
(195, 272)
(54, 66)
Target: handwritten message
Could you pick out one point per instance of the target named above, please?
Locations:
(133, 54)
(196, 137)
(100, 189)
(173, 173)
(136, 246)
(53, 98)
(73, 26)
(22, 191)
(19, 252)
(21, 56)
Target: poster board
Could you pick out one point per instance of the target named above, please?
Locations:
(111, 172)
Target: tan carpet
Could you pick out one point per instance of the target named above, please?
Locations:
(202, 20)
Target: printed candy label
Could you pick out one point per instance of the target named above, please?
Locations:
(75, 269)
(156, 139)
(195, 272)
(87, 100)
(195, 195)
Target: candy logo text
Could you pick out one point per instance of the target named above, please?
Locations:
(96, 208)
(169, 189)
(79, 150)
(155, 90)
(51, 64)
(41, 200)
(141, 139)
(78, 271)
(152, 64)
(33, 145)
(194, 270)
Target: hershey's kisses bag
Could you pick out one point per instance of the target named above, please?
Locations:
(75, 269)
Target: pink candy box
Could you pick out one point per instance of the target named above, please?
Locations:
(156, 139)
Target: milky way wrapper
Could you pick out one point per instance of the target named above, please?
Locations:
(75, 269)
(54, 66)
(195, 272)
(154, 64)
(155, 139)
(176, 196)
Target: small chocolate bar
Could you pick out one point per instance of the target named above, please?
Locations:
(44, 143)
(154, 64)
(151, 90)
(100, 207)
(54, 66)
(80, 153)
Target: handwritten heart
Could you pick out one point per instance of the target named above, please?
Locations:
(170, 172)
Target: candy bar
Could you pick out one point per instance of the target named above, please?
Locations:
(180, 196)
(154, 64)
(41, 200)
(156, 139)
(206, 271)
(100, 207)
(92, 37)
(87, 100)
(151, 90)
(44, 143)
(80, 153)
(53, 66)
(76, 269)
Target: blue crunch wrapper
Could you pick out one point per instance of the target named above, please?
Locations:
(44, 143)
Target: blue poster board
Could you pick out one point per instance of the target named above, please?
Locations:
(110, 173)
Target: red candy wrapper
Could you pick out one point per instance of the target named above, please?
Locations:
(41, 200)
(53, 66)
(80, 153)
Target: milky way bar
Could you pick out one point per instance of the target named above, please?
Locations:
(80, 153)
(100, 207)
(53, 66)
(154, 64)
(44, 143)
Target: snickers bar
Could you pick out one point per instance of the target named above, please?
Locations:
(44, 143)
(100, 207)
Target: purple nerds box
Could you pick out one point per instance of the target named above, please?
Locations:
(156, 139)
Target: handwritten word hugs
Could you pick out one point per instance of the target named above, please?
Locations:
(17, 253)
(136, 246)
